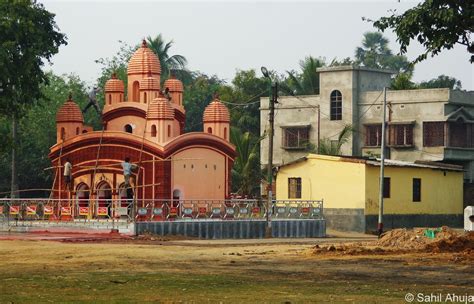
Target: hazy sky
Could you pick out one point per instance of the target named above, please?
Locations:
(222, 37)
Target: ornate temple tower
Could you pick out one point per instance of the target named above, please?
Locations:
(216, 119)
(69, 121)
(175, 91)
(143, 64)
(114, 91)
(160, 120)
(149, 88)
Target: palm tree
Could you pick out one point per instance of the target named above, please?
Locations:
(306, 82)
(329, 147)
(375, 53)
(246, 173)
(374, 49)
(175, 64)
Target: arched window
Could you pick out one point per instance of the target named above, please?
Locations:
(82, 195)
(77, 131)
(153, 131)
(225, 133)
(136, 91)
(209, 130)
(63, 134)
(110, 99)
(144, 97)
(128, 128)
(336, 105)
(169, 131)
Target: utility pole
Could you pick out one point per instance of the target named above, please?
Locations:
(382, 164)
(273, 100)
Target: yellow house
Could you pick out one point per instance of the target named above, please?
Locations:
(415, 194)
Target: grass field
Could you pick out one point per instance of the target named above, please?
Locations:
(203, 271)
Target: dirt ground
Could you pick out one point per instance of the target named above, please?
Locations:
(38, 268)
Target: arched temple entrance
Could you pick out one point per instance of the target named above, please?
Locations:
(104, 198)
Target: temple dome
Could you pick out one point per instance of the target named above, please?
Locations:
(69, 112)
(150, 83)
(144, 61)
(173, 84)
(114, 85)
(216, 111)
(160, 108)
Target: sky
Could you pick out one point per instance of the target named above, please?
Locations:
(219, 38)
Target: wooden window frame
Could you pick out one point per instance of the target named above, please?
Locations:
(296, 192)
(302, 134)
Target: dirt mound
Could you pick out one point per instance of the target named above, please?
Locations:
(419, 238)
(454, 243)
(428, 240)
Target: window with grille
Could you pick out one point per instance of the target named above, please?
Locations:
(294, 187)
(295, 138)
(336, 105)
(373, 135)
(417, 189)
(461, 134)
(401, 135)
(433, 134)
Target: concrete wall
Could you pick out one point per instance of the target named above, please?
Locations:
(405, 106)
(254, 229)
(441, 191)
(393, 221)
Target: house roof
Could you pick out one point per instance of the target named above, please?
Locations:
(376, 162)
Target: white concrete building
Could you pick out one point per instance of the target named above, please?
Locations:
(423, 125)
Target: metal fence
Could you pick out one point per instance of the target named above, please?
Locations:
(156, 210)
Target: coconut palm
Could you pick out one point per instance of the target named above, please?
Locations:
(306, 82)
(246, 173)
(375, 53)
(329, 147)
(175, 64)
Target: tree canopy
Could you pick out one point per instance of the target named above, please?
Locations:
(28, 36)
(375, 53)
(436, 24)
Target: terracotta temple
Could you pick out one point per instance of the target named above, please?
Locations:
(148, 127)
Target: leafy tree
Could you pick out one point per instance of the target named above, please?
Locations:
(28, 36)
(375, 53)
(117, 64)
(244, 95)
(196, 97)
(37, 132)
(169, 63)
(246, 173)
(436, 24)
(306, 82)
(403, 82)
(442, 81)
